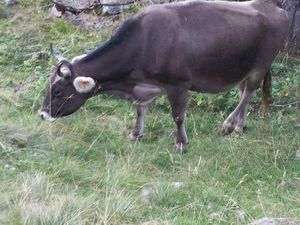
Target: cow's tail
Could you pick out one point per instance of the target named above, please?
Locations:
(267, 89)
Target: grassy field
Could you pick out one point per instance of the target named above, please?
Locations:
(83, 170)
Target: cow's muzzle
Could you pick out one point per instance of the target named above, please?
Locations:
(46, 116)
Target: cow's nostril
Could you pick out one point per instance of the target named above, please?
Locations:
(42, 114)
(46, 116)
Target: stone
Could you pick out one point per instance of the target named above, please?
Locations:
(210, 205)
(216, 216)
(109, 6)
(240, 214)
(54, 12)
(82, 20)
(117, 2)
(177, 185)
(10, 167)
(10, 2)
(113, 7)
(2, 146)
(78, 5)
(147, 195)
(276, 221)
(111, 10)
(298, 154)
(19, 139)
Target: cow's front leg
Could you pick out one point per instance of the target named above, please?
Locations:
(178, 100)
(144, 95)
(138, 130)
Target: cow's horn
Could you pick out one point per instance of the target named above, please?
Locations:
(64, 71)
(77, 58)
(58, 57)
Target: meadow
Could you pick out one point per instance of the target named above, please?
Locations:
(83, 170)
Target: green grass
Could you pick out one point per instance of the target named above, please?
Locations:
(83, 170)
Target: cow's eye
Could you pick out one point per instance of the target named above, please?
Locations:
(57, 93)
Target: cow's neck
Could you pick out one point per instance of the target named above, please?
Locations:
(107, 63)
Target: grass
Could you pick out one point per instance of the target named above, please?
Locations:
(83, 170)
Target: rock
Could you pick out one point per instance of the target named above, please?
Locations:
(10, 2)
(210, 205)
(2, 146)
(10, 167)
(113, 7)
(160, 1)
(109, 6)
(298, 154)
(177, 185)
(82, 20)
(147, 195)
(42, 155)
(77, 11)
(113, 10)
(216, 216)
(54, 12)
(276, 221)
(110, 157)
(77, 5)
(18, 139)
(117, 2)
(240, 214)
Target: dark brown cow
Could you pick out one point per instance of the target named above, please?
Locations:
(173, 48)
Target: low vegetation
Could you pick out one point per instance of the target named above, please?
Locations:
(83, 170)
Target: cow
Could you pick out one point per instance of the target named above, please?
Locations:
(201, 46)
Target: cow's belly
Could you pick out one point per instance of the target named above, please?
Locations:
(145, 93)
(218, 74)
(206, 86)
(218, 82)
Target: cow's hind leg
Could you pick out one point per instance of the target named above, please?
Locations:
(177, 99)
(235, 122)
(137, 132)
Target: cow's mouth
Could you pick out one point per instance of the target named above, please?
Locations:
(46, 116)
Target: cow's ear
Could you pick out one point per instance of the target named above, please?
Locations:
(84, 84)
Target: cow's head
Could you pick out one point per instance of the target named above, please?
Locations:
(66, 92)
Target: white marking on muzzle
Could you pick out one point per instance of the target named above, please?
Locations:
(47, 116)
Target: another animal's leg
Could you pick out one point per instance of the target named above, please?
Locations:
(137, 132)
(178, 100)
(242, 88)
(236, 120)
(242, 116)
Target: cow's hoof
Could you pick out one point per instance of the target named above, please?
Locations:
(238, 129)
(227, 128)
(132, 137)
(181, 148)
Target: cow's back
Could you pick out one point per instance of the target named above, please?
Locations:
(210, 42)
